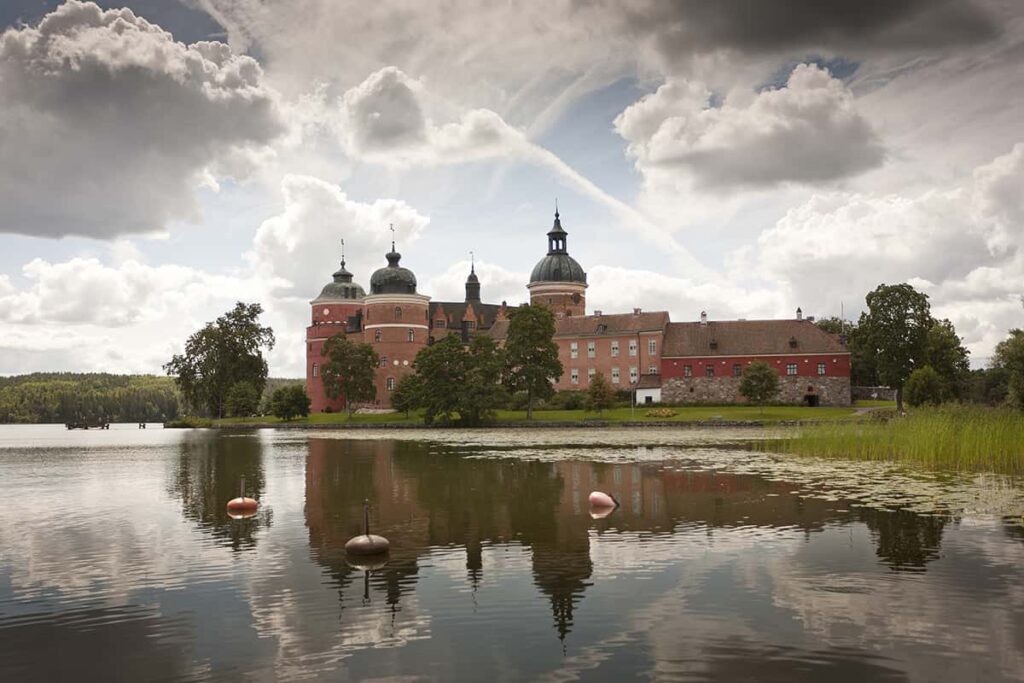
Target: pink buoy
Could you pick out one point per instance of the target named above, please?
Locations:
(242, 504)
(600, 499)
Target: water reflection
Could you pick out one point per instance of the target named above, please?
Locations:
(207, 475)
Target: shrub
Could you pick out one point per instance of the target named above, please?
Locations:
(568, 400)
(289, 402)
(924, 387)
(661, 412)
(242, 399)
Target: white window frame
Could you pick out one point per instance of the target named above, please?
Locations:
(634, 374)
(822, 369)
(574, 350)
(652, 369)
(615, 375)
(590, 374)
(632, 347)
(390, 384)
(591, 349)
(574, 376)
(687, 371)
(652, 346)
(791, 369)
(316, 370)
(615, 348)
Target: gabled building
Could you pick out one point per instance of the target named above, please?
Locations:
(688, 362)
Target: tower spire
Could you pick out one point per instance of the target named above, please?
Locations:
(391, 226)
(472, 263)
(342, 252)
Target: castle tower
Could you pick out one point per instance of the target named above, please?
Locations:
(338, 309)
(395, 323)
(558, 281)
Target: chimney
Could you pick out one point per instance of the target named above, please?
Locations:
(703, 317)
(597, 313)
(636, 311)
(799, 314)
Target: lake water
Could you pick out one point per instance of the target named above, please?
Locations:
(118, 560)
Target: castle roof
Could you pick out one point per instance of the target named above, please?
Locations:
(341, 287)
(393, 278)
(603, 325)
(748, 338)
(454, 312)
(558, 266)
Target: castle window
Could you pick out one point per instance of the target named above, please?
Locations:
(632, 347)
(615, 349)
(440, 324)
(687, 371)
(590, 374)
(316, 370)
(821, 368)
(470, 325)
(574, 376)
(737, 370)
(790, 368)
(652, 369)
(634, 375)
(391, 384)
(615, 375)
(574, 350)
(376, 336)
(709, 370)
(591, 349)
(383, 361)
(652, 346)
(398, 312)
(409, 335)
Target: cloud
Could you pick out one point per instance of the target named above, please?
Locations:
(961, 245)
(497, 283)
(300, 247)
(807, 131)
(108, 124)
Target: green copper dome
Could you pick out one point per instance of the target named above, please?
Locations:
(393, 279)
(558, 266)
(342, 286)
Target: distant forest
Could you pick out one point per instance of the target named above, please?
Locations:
(59, 397)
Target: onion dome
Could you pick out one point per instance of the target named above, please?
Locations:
(558, 266)
(342, 286)
(393, 278)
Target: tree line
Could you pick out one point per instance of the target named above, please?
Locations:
(48, 397)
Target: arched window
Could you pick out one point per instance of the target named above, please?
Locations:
(376, 336)
(398, 312)
(410, 335)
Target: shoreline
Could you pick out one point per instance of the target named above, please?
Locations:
(678, 424)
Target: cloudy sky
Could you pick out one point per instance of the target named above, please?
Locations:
(161, 159)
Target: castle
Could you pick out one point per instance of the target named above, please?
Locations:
(686, 362)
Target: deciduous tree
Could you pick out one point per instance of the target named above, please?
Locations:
(1010, 357)
(531, 354)
(223, 353)
(349, 371)
(947, 356)
(600, 394)
(925, 386)
(290, 401)
(760, 383)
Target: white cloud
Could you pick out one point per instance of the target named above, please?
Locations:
(108, 124)
(808, 131)
(961, 245)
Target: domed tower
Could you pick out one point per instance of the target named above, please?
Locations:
(558, 281)
(395, 323)
(338, 309)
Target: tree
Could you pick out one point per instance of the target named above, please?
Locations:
(925, 386)
(531, 354)
(760, 383)
(600, 394)
(242, 400)
(947, 356)
(290, 401)
(349, 371)
(442, 370)
(406, 395)
(482, 393)
(863, 372)
(894, 330)
(989, 385)
(1010, 358)
(220, 355)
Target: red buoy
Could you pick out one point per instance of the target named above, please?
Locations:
(242, 504)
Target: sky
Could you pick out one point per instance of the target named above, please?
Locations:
(162, 159)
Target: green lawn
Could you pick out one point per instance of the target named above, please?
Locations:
(771, 414)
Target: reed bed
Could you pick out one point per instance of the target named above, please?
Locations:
(952, 438)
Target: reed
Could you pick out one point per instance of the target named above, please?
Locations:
(952, 437)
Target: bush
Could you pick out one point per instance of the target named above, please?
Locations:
(661, 412)
(188, 422)
(568, 400)
(924, 387)
(289, 402)
(242, 399)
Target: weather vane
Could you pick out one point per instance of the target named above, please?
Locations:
(392, 228)
(472, 262)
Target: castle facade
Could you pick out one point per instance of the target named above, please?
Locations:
(686, 362)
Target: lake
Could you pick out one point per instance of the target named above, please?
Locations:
(118, 560)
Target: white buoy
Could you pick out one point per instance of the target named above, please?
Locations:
(600, 499)
(367, 543)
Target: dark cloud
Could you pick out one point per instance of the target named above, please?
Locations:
(685, 27)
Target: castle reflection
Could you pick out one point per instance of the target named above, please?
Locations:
(425, 496)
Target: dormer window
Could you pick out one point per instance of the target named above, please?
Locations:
(792, 342)
(714, 343)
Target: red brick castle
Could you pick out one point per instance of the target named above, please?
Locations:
(688, 362)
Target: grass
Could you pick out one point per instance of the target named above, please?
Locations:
(960, 438)
(770, 415)
(869, 403)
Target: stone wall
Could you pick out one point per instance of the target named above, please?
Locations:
(832, 391)
(873, 394)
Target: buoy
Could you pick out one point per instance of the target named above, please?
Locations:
(367, 543)
(242, 504)
(600, 499)
(600, 513)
